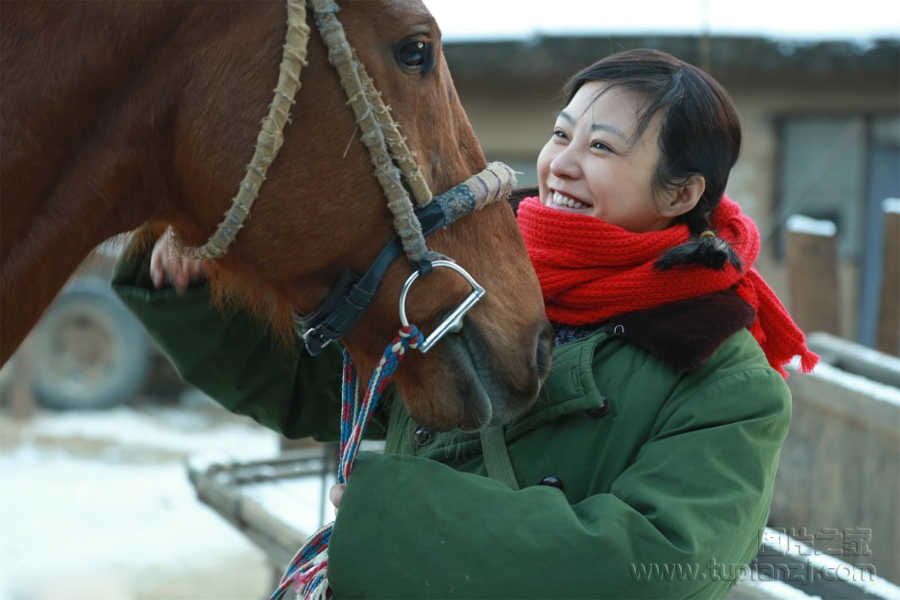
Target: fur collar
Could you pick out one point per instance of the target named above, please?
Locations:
(685, 334)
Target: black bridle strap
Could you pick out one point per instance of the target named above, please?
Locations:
(352, 294)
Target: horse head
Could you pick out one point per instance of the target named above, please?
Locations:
(195, 99)
(321, 211)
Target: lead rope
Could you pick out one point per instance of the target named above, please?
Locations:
(307, 572)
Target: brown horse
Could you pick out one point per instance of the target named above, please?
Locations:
(115, 115)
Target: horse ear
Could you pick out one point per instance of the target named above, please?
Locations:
(519, 194)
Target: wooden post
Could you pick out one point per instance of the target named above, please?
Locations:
(888, 338)
(813, 274)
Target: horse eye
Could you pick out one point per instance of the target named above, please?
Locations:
(414, 55)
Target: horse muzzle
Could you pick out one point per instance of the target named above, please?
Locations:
(488, 391)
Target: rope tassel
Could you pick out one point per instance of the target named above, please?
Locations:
(307, 572)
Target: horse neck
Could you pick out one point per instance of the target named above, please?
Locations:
(87, 144)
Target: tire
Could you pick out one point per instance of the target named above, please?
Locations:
(89, 351)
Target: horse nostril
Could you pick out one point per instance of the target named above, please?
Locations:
(543, 350)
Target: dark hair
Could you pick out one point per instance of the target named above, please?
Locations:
(700, 134)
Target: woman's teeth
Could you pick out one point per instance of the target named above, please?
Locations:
(563, 200)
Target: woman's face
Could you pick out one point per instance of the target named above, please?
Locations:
(593, 165)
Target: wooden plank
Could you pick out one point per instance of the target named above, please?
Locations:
(888, 337)
(813, 275)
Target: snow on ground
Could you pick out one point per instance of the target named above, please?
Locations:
(161, 430)
(98, 505)
(296, 502)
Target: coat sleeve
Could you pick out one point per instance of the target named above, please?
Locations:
(680, 522)
(232, 357)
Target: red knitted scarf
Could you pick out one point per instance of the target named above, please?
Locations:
(590, 271)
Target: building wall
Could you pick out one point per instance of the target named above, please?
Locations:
(753, 182)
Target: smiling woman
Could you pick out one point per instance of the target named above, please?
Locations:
(640, 145)
(592, 166)
(656, 436)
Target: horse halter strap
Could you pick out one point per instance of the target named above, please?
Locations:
(394, 163)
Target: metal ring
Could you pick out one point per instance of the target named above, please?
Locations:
(453, 322)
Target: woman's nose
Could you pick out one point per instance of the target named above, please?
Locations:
(565, 164)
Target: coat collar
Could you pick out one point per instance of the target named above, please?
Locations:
(681, 335)
(570, 388)
(684, 334)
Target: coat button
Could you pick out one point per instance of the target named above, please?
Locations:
(553, 481)
(422, 436)
(599, 411)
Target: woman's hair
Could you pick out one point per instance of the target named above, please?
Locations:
(700, 134)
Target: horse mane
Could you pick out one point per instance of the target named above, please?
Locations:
(234, 287)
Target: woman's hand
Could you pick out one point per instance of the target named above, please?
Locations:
(336, 493)
(167, 265)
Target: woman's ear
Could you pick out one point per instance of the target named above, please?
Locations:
(683, 198)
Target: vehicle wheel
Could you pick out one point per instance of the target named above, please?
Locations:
(89, 351)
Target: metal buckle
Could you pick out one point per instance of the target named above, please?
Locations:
(315, 341)
(453, 322)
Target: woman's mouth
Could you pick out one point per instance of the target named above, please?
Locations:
(560, 200)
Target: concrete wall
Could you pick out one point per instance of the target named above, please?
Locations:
(840, 466)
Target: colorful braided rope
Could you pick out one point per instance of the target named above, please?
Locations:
(307, 572)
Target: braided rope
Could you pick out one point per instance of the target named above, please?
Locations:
(404, 157)
(342, 57)
(268, 142)
(495, 182)
(307, 572)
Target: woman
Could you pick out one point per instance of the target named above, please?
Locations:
(646, 466)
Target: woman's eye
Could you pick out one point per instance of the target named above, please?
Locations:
(415, 55)
(601, 146)
(559, 133)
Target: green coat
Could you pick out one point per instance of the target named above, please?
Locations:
(666, 476)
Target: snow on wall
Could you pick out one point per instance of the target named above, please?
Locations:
(810, 226)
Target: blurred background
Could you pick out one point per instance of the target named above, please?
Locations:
(97, 430)
(817, 88)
